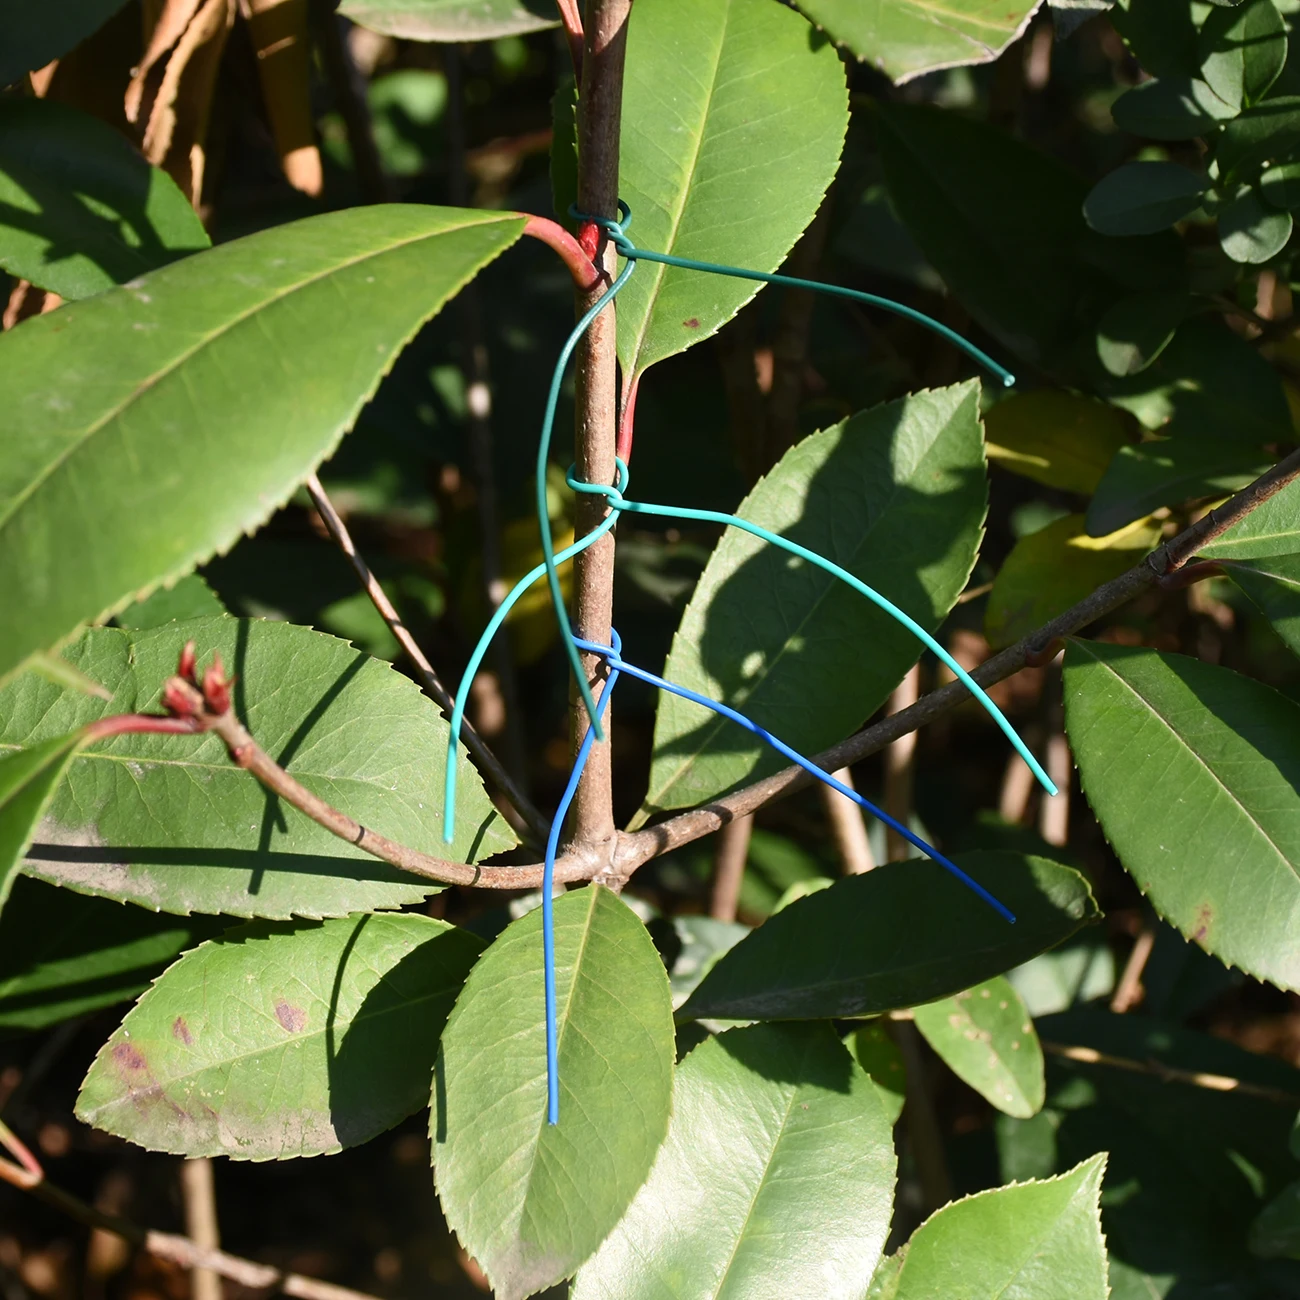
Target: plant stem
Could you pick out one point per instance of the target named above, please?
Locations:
(199, 1194)
(900, 767)
(488, 761)
(848, 830)
(729, 867)
(596, 381)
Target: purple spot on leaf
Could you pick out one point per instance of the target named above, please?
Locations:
(294, 1019)
(129, 1057)
(181, 1031)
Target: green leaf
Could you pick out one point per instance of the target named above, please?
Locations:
(878, 1055)
(1270, 529)
(985, 1036)
(170, 823)
(900, 935)
(1189, 766)
(64, 955)
(1038, 1239)
(1269, 132)
(1251, 231)
(33, 34)
(1273, 584)
(564, 149)
(450, 20)
(54, 668)
(697, 942)
(1161, 35)
(190, 598)
(1280, 186)
(80, 209)
(1171, 108)
(280, 1041)
(1140, 198)
(755, 108)
(1052, 569)
(1003, 226)
(528, 1200)
(782, 640)
(1243, 51)
(308, 315)
(1060, 439)
(760, 1116)
(1136, 330)
(28, 778)
(1275, 1234)
(1167, 472)
(1209, 383)
(908, 38)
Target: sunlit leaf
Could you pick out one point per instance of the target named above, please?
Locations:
(1056, 438)
(451, 20)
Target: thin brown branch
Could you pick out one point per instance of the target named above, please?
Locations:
(1170, 1074)
(920, 1120)
(600, 108)
(1129, 991)
(199, 1194)
(900, 767)
(729, 868)
(639, 847)
(488, 761)
(848, 830)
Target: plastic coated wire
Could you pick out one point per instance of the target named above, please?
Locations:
(548, 901)
(616, 663)
(480, 650)
(616, 230)
(544, 515)
(619, 503)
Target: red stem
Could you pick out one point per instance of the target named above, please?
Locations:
(572, 21)
(124, 724)
(627, 421)
(554, 235)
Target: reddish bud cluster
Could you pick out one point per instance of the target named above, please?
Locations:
(183, 697)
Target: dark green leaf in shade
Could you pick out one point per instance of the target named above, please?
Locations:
(879, 1056)
(900, 935)
(1141, 198)
(908, 38)
(755, 107)
(760, 1116)
(1038, 1239)
(31, 35)
(190, 598)
(1269, 132)
(80, 209)
(279, 1041)
(450, 20)
(64, 954)
(1208, 383)
(1280, 186)
(308, 315)
(564, 149)
(528, 1200)
(1275, 1234)
(1167, 472)
(1273, 584)
(1136, 330)
(1243, 51)
(28, 778)
(1171, 108)
(1002, 224)
(1161, 35)
(985, 1036)
(1194, 773)
(168, 822)
(1057, 438)
(1272, 528)
(781, 639)
(1251, 231)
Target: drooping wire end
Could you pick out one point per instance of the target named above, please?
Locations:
(1008, 379)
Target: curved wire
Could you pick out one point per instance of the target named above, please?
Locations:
(544, 514)
(548, 901)
(616, 661)
(616, 230)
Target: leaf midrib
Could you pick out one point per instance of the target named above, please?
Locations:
(152, 381)
(1213, 775)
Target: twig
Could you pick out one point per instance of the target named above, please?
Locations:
(600, 110)
(199, 1195)
(729, 867)
(900, 766)
(1054, 813)
(1128, 992)
(572, 21)
(1171, 1074)
(491, 765)
(919, 1117)
(639, 847)
(848, 830)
